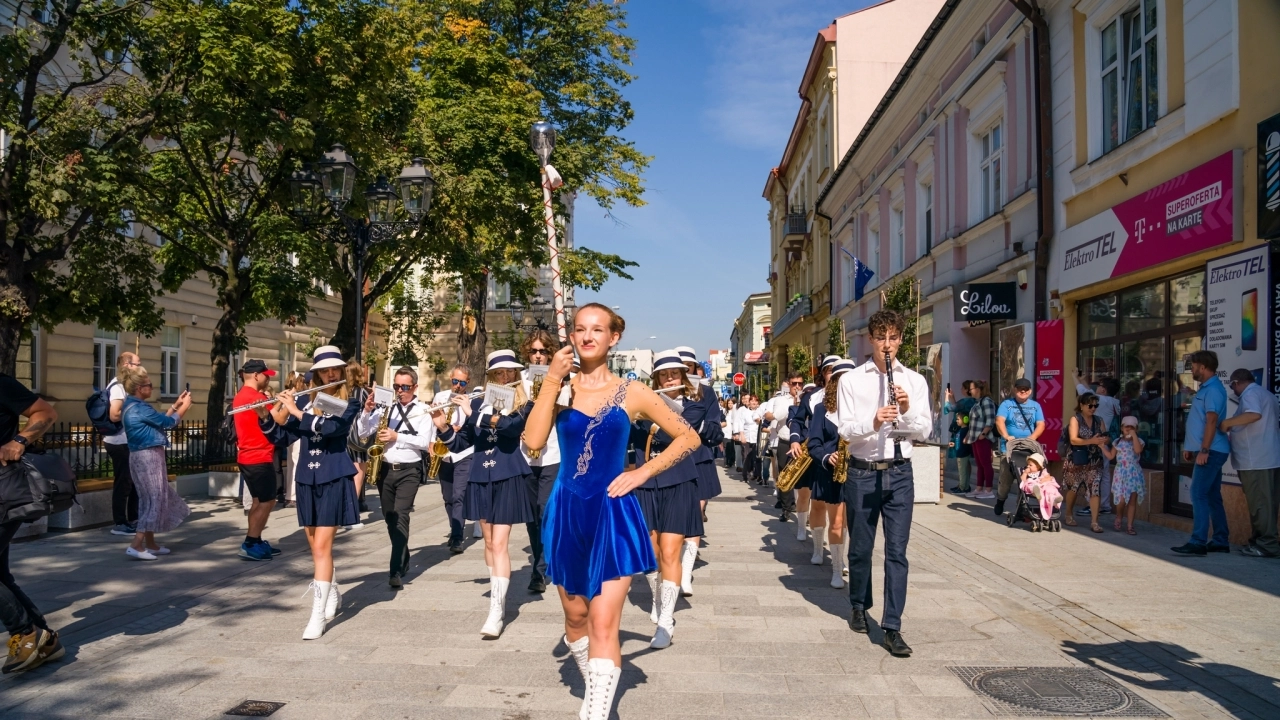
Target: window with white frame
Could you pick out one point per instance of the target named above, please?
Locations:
(1130, 75)
(873, 251)
(898, 247)
(106, 344)
(991, 150)
(27, 368)
(926, 216)
(847, 278)
(170, 361)
(288, 359)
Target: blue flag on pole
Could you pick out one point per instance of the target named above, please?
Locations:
(861, 276)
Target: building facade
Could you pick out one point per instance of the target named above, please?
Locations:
(750, 341)
(851, 65)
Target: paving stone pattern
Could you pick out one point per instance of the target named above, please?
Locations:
(764, 636)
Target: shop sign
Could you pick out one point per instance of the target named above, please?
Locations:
(984, 302)
(756, 357)
(1049, 379)
(1273, 330)
(1269, 178)
(1194, 211)
(1237, 295)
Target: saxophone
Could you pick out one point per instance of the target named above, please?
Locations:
(794, 470)
(840, 472)
(377, 449)
(438, 450)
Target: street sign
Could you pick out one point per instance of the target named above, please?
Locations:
(632, 376)
(739, 379)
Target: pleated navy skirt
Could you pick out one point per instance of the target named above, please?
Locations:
(502, 502)
(672, 509)
(331, 504)
(708, 480)
(825, 489)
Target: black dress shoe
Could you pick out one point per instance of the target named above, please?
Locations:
(395, 581)
(455, 547)
(537, 586)
(894, 643)
(1191, 549)
(785, 516)
(858, 621)
(999, 508)
(1215, 547)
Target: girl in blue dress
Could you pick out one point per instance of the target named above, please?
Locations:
(593, 531)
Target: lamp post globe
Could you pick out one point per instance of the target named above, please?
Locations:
(517, 311)
(542, 138)
(337, 173)
(380, 201)
(306, 190)
(416, 186)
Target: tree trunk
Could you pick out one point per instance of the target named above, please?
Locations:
(345, 336)
(16, 302)
(225, 333)
(473, 339)
(10, 337)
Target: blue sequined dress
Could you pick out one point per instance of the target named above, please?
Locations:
(589, 537)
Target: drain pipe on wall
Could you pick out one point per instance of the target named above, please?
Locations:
(1044, 157)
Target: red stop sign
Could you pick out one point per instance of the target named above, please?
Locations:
(739, 379)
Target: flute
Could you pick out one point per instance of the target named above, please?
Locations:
(272, 401)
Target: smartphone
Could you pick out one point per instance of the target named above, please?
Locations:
(188, 387)
(1249, 320)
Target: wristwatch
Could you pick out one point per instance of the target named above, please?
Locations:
(20, 439)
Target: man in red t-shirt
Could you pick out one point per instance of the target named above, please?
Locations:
(256, 456)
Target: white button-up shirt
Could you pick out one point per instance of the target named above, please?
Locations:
(779, 405)
(863, 391)
(550, 454)
(749, 428)
(1256, 446)
(442, 397)
(406, 448)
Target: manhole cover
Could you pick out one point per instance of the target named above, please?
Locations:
(255, 708)
(1054, 691)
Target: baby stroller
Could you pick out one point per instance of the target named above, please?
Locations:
(1026, 508)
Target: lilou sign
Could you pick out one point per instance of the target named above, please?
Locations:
(984, 302)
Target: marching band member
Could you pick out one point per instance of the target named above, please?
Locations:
(543, 466)
(824, 442)
(799, 427)
(498, 486)
(593, 529)
(455, 467)
(406, 440)
(778, 414)
(325, 486)
(711, 434)
(882, 407)
(669, 499)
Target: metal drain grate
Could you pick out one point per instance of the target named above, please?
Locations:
(255, 708)
(1054, 692)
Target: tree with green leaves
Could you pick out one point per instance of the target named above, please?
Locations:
(902, 295)
(73, 118)
(836, 343)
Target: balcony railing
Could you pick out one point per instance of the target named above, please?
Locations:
(797, 224)
(190, 450)
(795, 312)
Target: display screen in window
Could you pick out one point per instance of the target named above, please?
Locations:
(1142, 309)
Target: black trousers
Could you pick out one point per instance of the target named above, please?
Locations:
(540, 482)
(17, 612)
(124, 498)
(453, 487)
(869, 495)
(729, 448)
(750, 462)
(397, 490)
(786, 500)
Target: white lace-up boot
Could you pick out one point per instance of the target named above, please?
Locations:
(802, 525)
(497, 607)
(335, 598)
(601, 687)
(688, 557)
(666, 623)
(477, 531)
(578, 649)
(653, 579)
(837, 566)
(320, 598)
(819, 536)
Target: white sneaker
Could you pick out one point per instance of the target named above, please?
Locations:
(139, 554)
(162, 550)
(497, 607)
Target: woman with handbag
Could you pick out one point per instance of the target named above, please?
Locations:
(1082, 464)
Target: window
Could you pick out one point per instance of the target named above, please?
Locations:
(1130, 75)
(926, 217)
(991, 151)
(898, 251)
(873, 250)
(846, 277)
(288, 359)
(28, 365)
(170, 361)
(106, 345)
(126, 219)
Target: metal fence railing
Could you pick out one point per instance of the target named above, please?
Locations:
(191, 449)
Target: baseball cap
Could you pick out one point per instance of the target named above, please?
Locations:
(257, 366)
(1022, 384)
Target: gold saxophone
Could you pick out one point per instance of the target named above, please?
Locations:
(840, 472)
(791, 474)
(439, 450)
(377, 449)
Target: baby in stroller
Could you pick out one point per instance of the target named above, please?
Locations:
(1038, 483)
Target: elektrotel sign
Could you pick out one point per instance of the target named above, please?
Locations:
(1194, 211)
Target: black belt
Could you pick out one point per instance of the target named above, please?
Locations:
(403, 466)
(876, 464)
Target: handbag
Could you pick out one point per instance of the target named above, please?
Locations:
(38, 485)
(1084, 454)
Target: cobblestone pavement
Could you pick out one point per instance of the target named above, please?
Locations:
(196, 633)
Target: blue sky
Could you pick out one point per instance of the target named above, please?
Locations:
(714, 101)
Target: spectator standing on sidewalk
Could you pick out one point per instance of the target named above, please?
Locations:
(1109, 414)
(982, 427)
(31, 641)
(961, 450)
(1082, 467)
(1207, 446)
(1018, 417)
(1255, 454)
(160, 508)
(124, 499)
(256, 457)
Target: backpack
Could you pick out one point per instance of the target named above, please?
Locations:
(98, 407)
(227, 430)
(37, 486)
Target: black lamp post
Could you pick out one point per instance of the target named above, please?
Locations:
(321, 194)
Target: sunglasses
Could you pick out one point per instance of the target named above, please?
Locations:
(539, 351)
(798, 382)
(1091, 405)
(459, 383)
(402, 388)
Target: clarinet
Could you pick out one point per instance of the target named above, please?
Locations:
(893, 398)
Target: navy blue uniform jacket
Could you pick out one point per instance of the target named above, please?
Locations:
(323, 455)
(497, 455)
